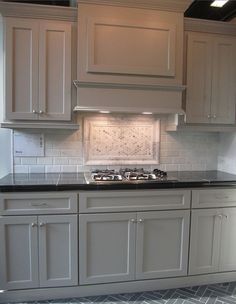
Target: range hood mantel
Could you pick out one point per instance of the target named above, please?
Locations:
(126, 98)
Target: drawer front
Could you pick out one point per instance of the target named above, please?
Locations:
(208, 198)
(38, 203)
(112, 201)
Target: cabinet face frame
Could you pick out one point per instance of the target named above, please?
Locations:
(31, 251)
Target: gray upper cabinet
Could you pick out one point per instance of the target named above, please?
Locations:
(19, 252)
(38, 251)
(211, 76)
(111, 243)
(162, 244)
(107, 247)
(38, 69)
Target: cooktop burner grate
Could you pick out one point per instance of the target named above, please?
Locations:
(126, 175)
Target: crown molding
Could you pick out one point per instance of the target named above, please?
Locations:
(164, 5)
(209, 26)
(9, 9)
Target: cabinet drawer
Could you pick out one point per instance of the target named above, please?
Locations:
(111, 201)
(208, 198)
(38, 203)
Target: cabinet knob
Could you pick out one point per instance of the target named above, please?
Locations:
(33, 224)
(219, 216)
(214, 116)
(140, 220)
(209, 116)
(34, 111)
(226, 216)
(40, 112)
(41, 224)
(133, 220)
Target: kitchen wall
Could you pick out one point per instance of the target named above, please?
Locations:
(178, 151)
(227, 152)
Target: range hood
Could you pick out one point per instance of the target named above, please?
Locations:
(129, 98)
(130, 56)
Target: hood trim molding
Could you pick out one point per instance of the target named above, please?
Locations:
(179, 6)
(80, 84)
(128, 98)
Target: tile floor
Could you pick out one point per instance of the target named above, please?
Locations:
(224, 293)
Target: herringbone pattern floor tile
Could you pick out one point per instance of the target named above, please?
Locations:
(224, 293)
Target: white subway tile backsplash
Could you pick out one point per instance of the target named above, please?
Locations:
(178, 151)
(21, 169)
(17, 161)
(29, 160)
(75, 161)
(52, 169)
(36, 169)
(69, 169)
(61, 160)
(45, 160)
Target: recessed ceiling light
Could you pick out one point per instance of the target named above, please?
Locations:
(219, 3)
(147, 113)
(104, 112)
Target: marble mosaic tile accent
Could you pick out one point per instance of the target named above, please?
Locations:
(224, 293)
(121, 140)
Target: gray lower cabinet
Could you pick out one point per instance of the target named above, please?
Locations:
(228, 240)
(162, 244)
(107, 247)
(213, 241)
(38, 251)
(18, 252)
(127, 246)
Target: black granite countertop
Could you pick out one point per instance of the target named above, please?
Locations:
(73, 181)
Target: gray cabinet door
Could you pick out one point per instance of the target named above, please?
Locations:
(21, 49)
(199, 69)
(205, 241)
(58, 250)
(223, 80)
(162, 244)
(228, 240)
(107, 247)
(18, 252)
(55, 70)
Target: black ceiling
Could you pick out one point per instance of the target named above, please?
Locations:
(198, 9)
(202, 9)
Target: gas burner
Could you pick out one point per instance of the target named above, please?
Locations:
(106, 175)
(128, 175)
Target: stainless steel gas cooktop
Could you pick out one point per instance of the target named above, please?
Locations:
(127, 175)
